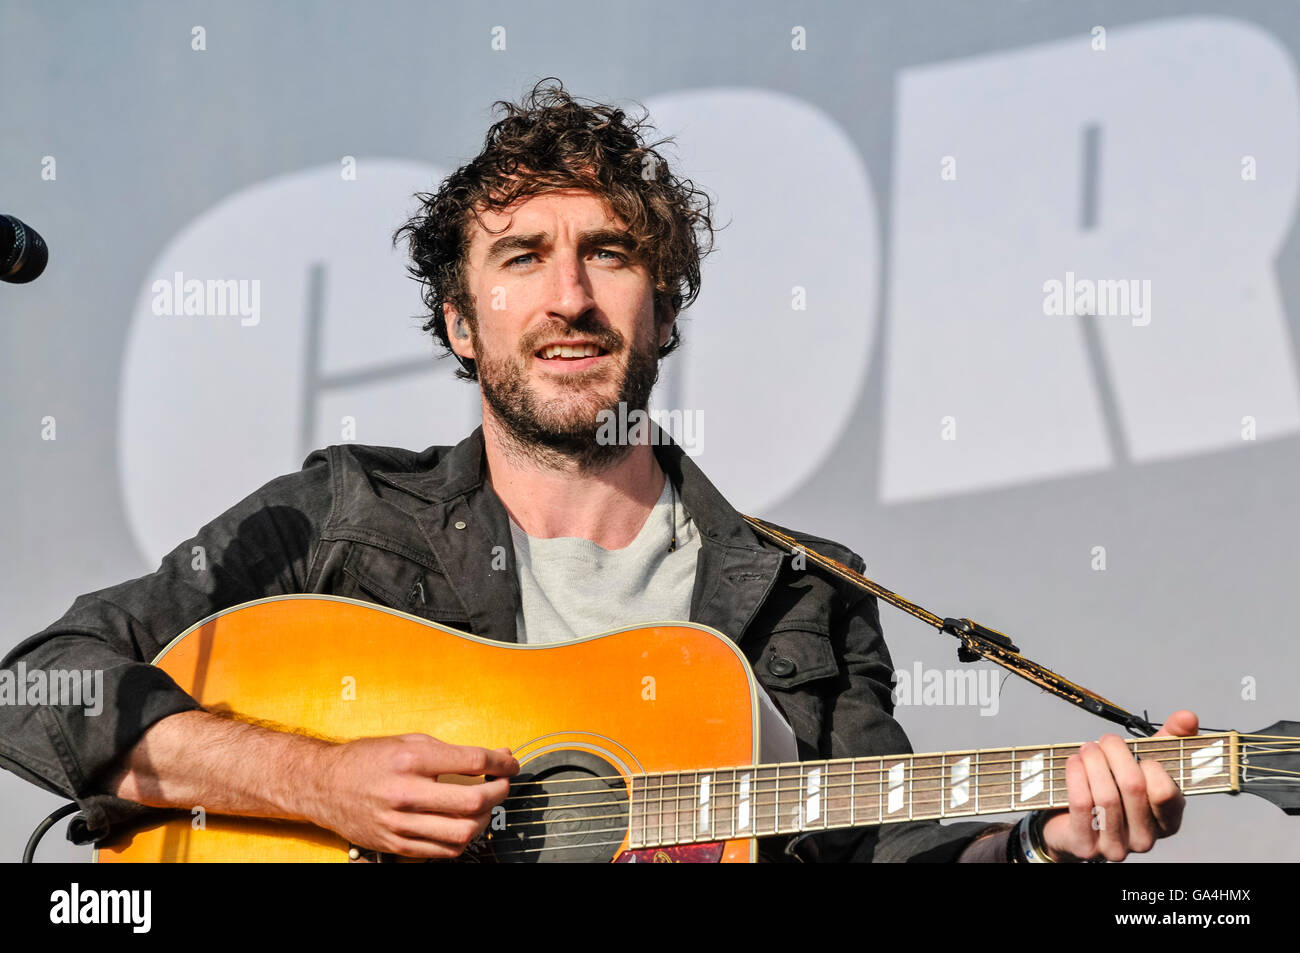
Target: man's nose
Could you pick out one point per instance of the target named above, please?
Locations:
(570, 293)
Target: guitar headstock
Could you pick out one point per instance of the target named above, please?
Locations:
(1270, 764)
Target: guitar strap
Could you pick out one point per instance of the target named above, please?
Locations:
(977, 641)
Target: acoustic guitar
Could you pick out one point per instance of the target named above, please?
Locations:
(638, 745)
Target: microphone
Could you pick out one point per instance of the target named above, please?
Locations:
(22, 252)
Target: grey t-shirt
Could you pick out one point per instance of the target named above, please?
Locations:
(572, 587)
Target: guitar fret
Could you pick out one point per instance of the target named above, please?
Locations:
(666, 836)
(646, 783)
(744, 804)
(685, 808)
(993, 781)
(839, 795)
(717, 818)
(911, 772)
(636, 827)
(880, 792)
(928, 786)
(651, 835)
(1051, 776)
(789, 789)
(729, 801)
(645, 809)
(691, 798)
(660, 831)
(943, 784)
(853, 792)
(765, 800)
(668, 800)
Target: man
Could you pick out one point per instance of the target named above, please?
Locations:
(554, 266)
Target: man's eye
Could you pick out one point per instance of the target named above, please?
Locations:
(520, 258)
(607, 251)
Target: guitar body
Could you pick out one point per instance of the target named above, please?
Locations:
(583, 716)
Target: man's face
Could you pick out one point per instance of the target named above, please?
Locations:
(564, 321)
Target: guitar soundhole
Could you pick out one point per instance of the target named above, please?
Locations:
(563, 807)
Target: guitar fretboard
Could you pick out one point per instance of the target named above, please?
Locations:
(688, 807)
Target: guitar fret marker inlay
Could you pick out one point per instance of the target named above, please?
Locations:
(1031, 777)
(960, 782)
(896, 776)
(743, 822)
(814, 794)
(1207, 762)
(704, 801)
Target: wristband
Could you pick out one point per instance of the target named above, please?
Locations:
(1025, 841)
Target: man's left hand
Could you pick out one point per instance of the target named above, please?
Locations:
(1136, 802)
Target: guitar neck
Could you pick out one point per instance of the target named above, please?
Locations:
(688, 807)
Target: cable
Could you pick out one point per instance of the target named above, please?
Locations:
(44, 826)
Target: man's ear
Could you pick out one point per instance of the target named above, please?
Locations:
(666, 330)
(462, 343)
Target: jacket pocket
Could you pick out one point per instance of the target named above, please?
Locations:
(796, 664)
(399, 583)
(796, 653)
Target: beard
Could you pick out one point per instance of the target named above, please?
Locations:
(562, 431)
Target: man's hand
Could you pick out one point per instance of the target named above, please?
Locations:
(1138, 802)
(384, 793)
(380, 793)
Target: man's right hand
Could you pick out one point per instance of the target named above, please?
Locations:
(379, 793)
(384, 793)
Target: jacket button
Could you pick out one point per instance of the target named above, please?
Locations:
(460, 524)
(780, 666)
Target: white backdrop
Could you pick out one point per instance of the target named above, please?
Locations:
(873, 354)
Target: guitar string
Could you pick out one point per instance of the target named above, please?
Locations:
(668, 800)
(864, 770)
(675, 830)
(675, 811)
(709, 836)
(773, 786)
(924, 803)
(1274, 770)
(670, 816)
(1182, 749)
(669, 795)
(839, 779)
(921, 796)
(695, 838)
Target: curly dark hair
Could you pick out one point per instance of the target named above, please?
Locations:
(550, 141)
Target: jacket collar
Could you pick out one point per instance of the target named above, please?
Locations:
(733, 576)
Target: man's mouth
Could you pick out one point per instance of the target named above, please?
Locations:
(575, 351)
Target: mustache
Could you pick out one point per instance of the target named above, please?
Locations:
(603, 337)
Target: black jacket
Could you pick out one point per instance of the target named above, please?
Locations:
(417, 532)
